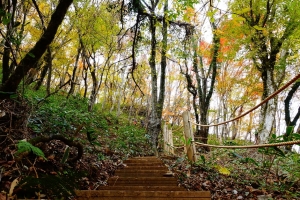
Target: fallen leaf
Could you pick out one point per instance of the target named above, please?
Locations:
(223, 170)
(12, 186)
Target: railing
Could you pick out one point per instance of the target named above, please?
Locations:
(190, 148)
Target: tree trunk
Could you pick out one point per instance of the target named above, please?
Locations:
(94, 91)
(5, 60)
(33, 56)
(205, 87)
(73, 79)
(157, 102)
(42, 77)
(154, 121)
(268, 110)
(49, 66)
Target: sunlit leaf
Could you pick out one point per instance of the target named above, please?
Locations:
(223, 170)
(258, 28)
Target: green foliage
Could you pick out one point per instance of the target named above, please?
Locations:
(131, 141)
(213, 139)
(273, 150)
(54, 186)
(230, 143)
(58, 115)
(6, 17)
(24, 146)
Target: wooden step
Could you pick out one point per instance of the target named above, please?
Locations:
(143, 173)
(143, 188)
(144, 160)
(130, 195)
(145, 167)
(144, 164)
(142, 181)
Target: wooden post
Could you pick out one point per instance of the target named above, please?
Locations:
(171, 145)
(165, 134)
(189, 136)
(168, 140)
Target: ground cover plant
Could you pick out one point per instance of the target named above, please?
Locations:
(265, 173)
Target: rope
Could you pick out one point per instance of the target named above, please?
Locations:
(250, 146)
(255, 107)
(176, 147)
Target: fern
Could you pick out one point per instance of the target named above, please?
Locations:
(24, 146)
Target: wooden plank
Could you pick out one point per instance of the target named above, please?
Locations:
(143, 174)
(143, 161)
(145, 167)
(142, 198)
(138, 194)
(133, 182)
(150, 179)
(128, 170)
(143, 188)
(145, 164)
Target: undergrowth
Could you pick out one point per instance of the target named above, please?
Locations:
(44, 168)
(243, 173)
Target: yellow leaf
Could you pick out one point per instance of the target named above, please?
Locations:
(223, 170)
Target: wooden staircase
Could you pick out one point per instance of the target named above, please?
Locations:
(143, 178)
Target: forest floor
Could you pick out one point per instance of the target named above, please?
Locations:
(240, 174)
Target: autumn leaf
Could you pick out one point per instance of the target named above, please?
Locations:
(223, 170)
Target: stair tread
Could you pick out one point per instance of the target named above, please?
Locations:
(141, 188)
(126, 193)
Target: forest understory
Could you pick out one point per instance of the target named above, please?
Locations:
(52, 168)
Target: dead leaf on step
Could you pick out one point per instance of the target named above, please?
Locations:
(12, 186)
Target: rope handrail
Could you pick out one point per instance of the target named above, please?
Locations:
(176, 147)
(240, 146)
(250, 146)
(255, 107)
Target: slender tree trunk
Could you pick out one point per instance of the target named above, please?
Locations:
(249, 127)
(31, 76)
(205, 91)
(85, 76)
(94, 91)
(157, 102)
(49, 64)
(5, 60)
(73, 79)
